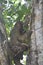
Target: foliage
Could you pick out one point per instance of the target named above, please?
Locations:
(14, 10)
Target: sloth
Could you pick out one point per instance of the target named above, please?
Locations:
(17, 44)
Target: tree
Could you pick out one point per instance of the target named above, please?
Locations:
(37, 38)
(3, 41)
(3, 46)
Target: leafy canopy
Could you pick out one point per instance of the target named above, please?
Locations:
(14, 10)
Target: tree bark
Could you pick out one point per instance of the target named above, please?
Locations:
(37, 36)
(3, 46)
(3, 41)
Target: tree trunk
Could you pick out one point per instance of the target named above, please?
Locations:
(3, 46)
(37, 36)
(3, 41)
